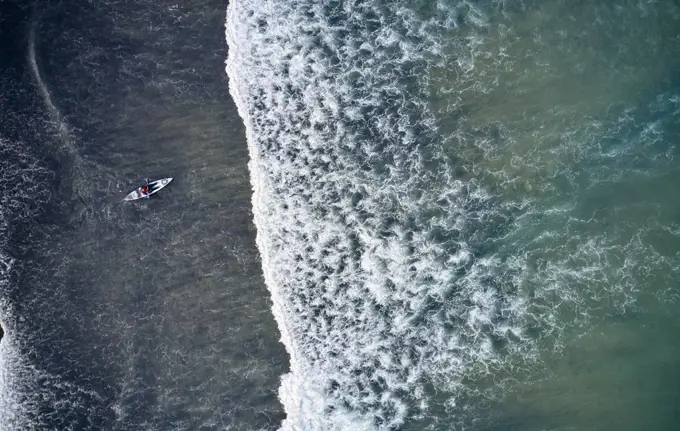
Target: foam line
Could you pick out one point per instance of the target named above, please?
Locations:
(62, 127)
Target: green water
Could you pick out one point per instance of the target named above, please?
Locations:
(568, 113)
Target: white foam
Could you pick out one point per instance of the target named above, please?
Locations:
(11, 414)
(22, 191)
(383, 267)
(15, 374)
(349, 296)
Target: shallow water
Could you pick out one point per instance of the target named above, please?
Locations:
(465, 210)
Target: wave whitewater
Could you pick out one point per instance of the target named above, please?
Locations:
(23, 191)
(398, 267)
(372, 246)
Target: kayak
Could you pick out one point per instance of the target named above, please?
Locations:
(154, 187)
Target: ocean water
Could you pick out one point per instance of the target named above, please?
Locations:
(386, 215)
(150, 315)
(467, 211)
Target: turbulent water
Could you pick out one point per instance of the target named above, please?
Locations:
(466, 210)
(466, 214)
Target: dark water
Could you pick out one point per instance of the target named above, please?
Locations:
(145, 315)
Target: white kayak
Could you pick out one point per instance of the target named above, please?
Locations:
(154, 187)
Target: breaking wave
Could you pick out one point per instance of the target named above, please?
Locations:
(405, 254)
(23, 192)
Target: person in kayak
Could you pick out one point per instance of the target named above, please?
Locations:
(145, 191)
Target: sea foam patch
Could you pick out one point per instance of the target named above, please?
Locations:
(12, 413)
(395, 272)
(362, 226)
(22, 181)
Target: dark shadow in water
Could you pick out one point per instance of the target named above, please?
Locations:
(145, 315)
